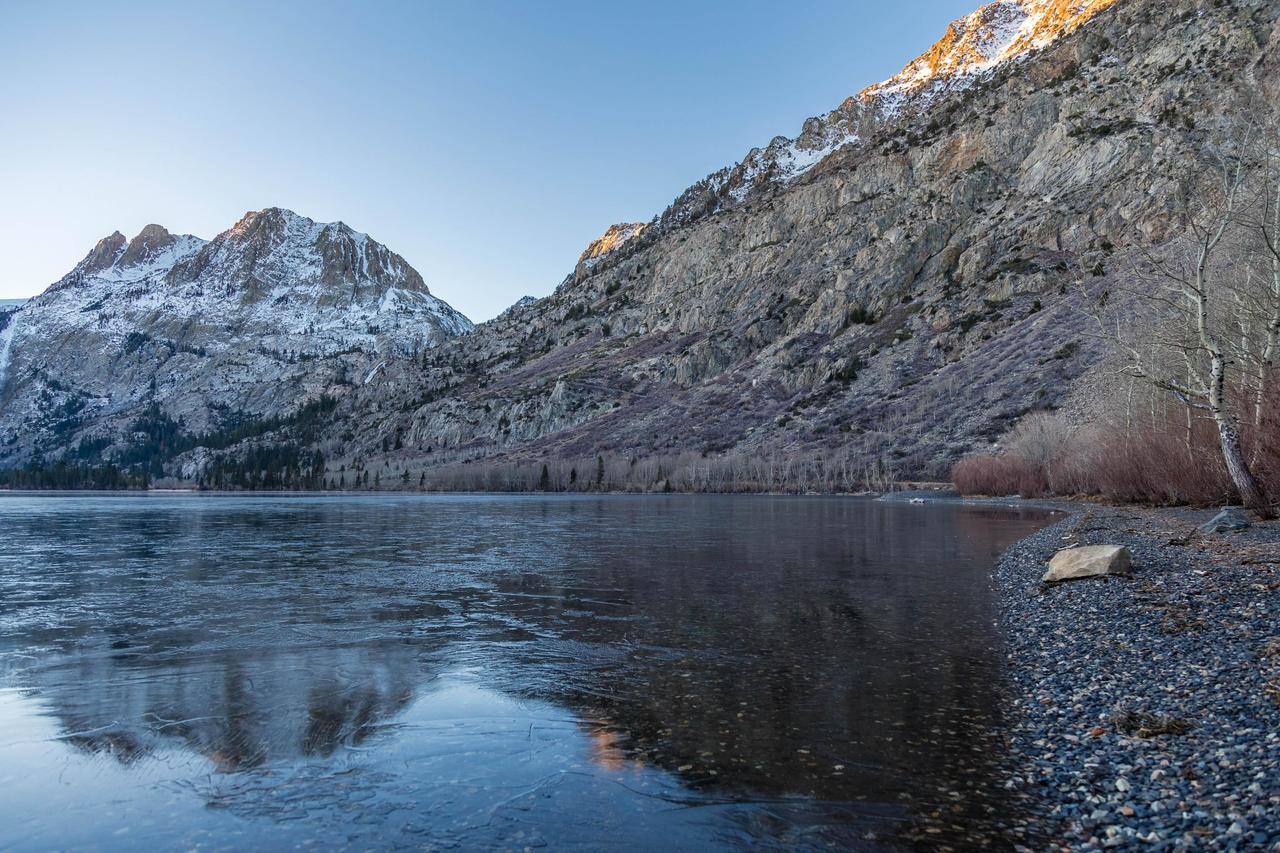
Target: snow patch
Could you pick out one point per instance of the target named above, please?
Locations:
(374, 372)
(6, 347)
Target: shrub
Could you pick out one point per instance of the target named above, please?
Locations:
(987, 474)
(1041, 439)
(1167, 462)
(1158, 466)
(1262, 441)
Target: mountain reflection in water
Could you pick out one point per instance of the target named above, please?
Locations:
(494, 671)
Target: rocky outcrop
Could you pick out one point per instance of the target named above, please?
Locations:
(1090, 561)
(105, 254)
(614, 238)
(151, 242)
(521, 303)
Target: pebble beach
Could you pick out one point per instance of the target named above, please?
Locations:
(1145, 708)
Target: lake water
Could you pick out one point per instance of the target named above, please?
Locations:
(475, 672)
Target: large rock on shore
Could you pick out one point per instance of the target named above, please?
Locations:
(1088, 562)
(1230, 519)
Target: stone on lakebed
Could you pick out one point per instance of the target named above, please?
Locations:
(1088, 562)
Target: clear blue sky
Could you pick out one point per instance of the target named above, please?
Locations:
(486, 142)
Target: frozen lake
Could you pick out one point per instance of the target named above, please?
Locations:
(483, 672)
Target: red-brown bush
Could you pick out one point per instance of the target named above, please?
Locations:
(1156, 466)
(1262, 442)
(1000, 475)
(1165, 464)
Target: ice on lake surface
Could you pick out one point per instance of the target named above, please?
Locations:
(210, 672)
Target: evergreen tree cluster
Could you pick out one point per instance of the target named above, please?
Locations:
(65, 475)
(268, 466)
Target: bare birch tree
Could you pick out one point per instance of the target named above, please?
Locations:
(1198, 309)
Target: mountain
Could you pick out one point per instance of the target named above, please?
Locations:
(276, 311)
(886, 292)
(972, 47)
(878, 296)
(519, 305)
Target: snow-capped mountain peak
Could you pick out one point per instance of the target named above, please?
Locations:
(972, 47)
(994, 34)
(104, 253)
(274, 250)
(116, 259)
(275, 309)
(150, 243)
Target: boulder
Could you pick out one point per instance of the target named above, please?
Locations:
(1231, 518)
(1088, 562)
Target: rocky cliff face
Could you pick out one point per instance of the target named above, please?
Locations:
(902, 295)
(996, 36)
(273, 312)
(613, 239)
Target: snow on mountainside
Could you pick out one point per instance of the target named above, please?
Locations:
(273, 273)
(272, 312)
(972, 48)
(979, 42)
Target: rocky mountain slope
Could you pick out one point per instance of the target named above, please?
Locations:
(997, 35)
(890, 289)
(274, 312)
(897, 296)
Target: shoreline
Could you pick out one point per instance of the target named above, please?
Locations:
(1144, 710)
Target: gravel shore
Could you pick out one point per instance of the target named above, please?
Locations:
(1147, 707)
